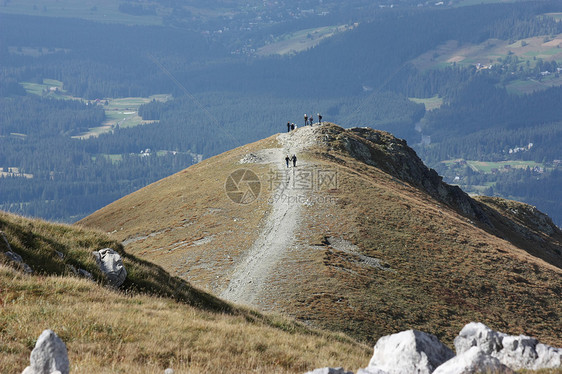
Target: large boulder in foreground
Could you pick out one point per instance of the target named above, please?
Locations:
(409, 351)
(516, 352)
(49, 355)
(473, 361)
(111, 265)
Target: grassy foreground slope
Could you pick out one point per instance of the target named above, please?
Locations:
(390, 249)
(156, 321)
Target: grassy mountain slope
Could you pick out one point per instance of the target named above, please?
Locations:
(390, 248)
(156, 321)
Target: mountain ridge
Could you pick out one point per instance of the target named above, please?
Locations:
(378, 253)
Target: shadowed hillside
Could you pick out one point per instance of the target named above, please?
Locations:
(360, 237)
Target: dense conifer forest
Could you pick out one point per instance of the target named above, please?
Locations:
(225, 94)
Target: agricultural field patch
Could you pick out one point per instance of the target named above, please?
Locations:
(301, 40)
(93, 10)
(490, 167)
(121, 112)
(50, 88)
(487, 53)
(430, 103)
(529, 86)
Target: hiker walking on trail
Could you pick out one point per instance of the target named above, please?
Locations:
(288, 126)
(305, 119)
(319, 119)
(287, 160)
(294, 158)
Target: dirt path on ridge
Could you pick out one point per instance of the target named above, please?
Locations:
(278, 234)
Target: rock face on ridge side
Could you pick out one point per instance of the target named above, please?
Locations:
(381, 149)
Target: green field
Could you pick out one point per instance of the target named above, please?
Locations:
(121, 111)
(430, 103)
(44, 89)
(300, 40)
(527, 86)
(487, 166)
(93, 10)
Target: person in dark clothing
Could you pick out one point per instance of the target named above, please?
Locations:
(294, 158)
(305, 120)
(311, 120)
(288, 126)
(287, 160)
(319, 119)
(292, 126)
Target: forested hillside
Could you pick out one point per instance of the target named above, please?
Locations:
(225, 94)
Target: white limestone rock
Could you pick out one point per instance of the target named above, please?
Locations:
(49, 355)
(328, 370)
(111, 265)
(477, 334)
(516, 352)
(371, 370)
(473, 360)
(408, 352)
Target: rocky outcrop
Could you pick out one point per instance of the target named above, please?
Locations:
(409, 351)
(111, 265)
(394, 156)
(49, 355)
(516, 352)
(479, 350)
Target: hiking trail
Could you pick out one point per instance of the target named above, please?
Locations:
(278, 233)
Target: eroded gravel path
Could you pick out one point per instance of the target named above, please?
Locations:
(278, 233)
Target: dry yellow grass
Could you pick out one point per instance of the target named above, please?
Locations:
(155, 321)
(109, 332)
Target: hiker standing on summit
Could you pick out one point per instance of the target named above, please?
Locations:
(305, 119)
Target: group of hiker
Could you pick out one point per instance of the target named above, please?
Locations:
(293, 158)
(308, 121)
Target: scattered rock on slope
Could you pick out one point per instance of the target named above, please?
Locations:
(13, 256)
(409, 351)
(516, 352)
(473, 361)
(49, 355)
(111, 265)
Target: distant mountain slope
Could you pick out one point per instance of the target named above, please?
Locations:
(156, 321)
(360, 237)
